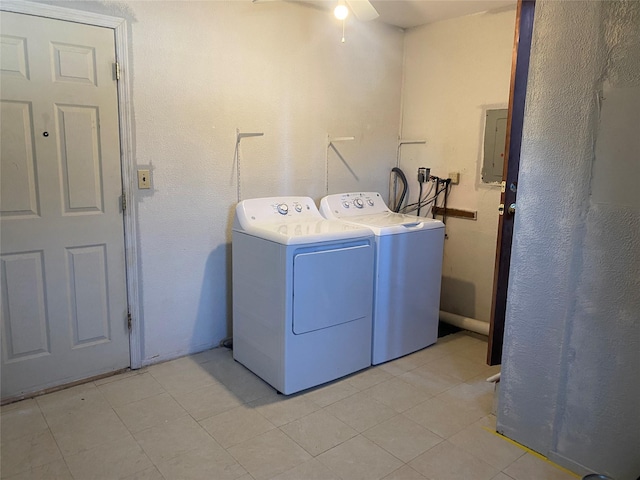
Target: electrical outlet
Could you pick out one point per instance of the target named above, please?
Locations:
(144, 179)
(455, 178)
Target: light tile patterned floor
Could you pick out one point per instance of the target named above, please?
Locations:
(424, 416)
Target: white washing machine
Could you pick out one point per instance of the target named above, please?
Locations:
(302, 293)
(408, 272)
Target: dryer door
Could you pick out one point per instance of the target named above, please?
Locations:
(332, 286)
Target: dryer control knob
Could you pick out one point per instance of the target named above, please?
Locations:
(370, 202)
(298, 207)
(358, 203)
(283, 209)
(345, 204)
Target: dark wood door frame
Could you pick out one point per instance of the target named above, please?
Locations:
(515, 119)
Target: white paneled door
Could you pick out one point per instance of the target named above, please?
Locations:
(64, 307)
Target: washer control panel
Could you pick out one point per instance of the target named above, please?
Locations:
(352, 204)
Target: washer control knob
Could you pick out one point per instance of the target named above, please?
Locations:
(283, 209)
(358, 203)
(298, 207)
(370, 202)
(345, 204)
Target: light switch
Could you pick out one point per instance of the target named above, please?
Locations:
(144, 179)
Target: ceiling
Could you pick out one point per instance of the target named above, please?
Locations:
(412, 13)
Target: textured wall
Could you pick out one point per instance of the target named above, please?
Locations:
(572, 343)
(202, 69)
(454, 71)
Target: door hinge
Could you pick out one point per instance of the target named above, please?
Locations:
(123, 200)
(116, 70)
(129, 320)
(503, 186)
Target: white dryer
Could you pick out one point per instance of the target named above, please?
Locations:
(408, 272)
(302, 293)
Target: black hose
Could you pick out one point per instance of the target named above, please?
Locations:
(435, 201)
(446, 195)
(419, 199)
(405, 186)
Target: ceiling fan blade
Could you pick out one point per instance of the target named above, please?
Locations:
(363, 10)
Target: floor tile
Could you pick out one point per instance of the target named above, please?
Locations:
(412, 361)
(236, 425)
(441, 418)
(173, 438)
(269, 454)
(86, 430)
(404, 473)
(397, 394)
(150, 473)
(227, 371)
(477, 397)
(429, 381)
(208, 401)
(219, 354)
(23, 453)
(56, 470)
(331, 393)
(530, 467)
(119, 376)
(360, 459)
(318, 432)
(310, 470)
(185, 378)
(202, 463)
(172, 366)
(403, 437)
(281, 410)
(149, 412)
(472, 348)
(24, 419)
(130, 389)
(240, 381)
(446, 461)
(459, 367)
(360, 411)
(368, 378)
(488, 446)
(428, 354)
(56, 407)
(108, 461)
(502, 476)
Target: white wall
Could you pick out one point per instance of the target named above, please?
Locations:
(571, 353)
(454, 71)
(200, 70)
(203, 69)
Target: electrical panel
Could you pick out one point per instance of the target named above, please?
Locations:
(495, 136)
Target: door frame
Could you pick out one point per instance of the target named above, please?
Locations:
(119, 27)
(515, 120)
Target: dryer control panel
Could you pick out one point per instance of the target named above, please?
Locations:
(278, 209)
(354, 204)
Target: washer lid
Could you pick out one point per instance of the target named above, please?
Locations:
(291, 221)
(369, 210)
(394, 223)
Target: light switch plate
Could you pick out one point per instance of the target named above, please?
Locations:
(144, 179)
